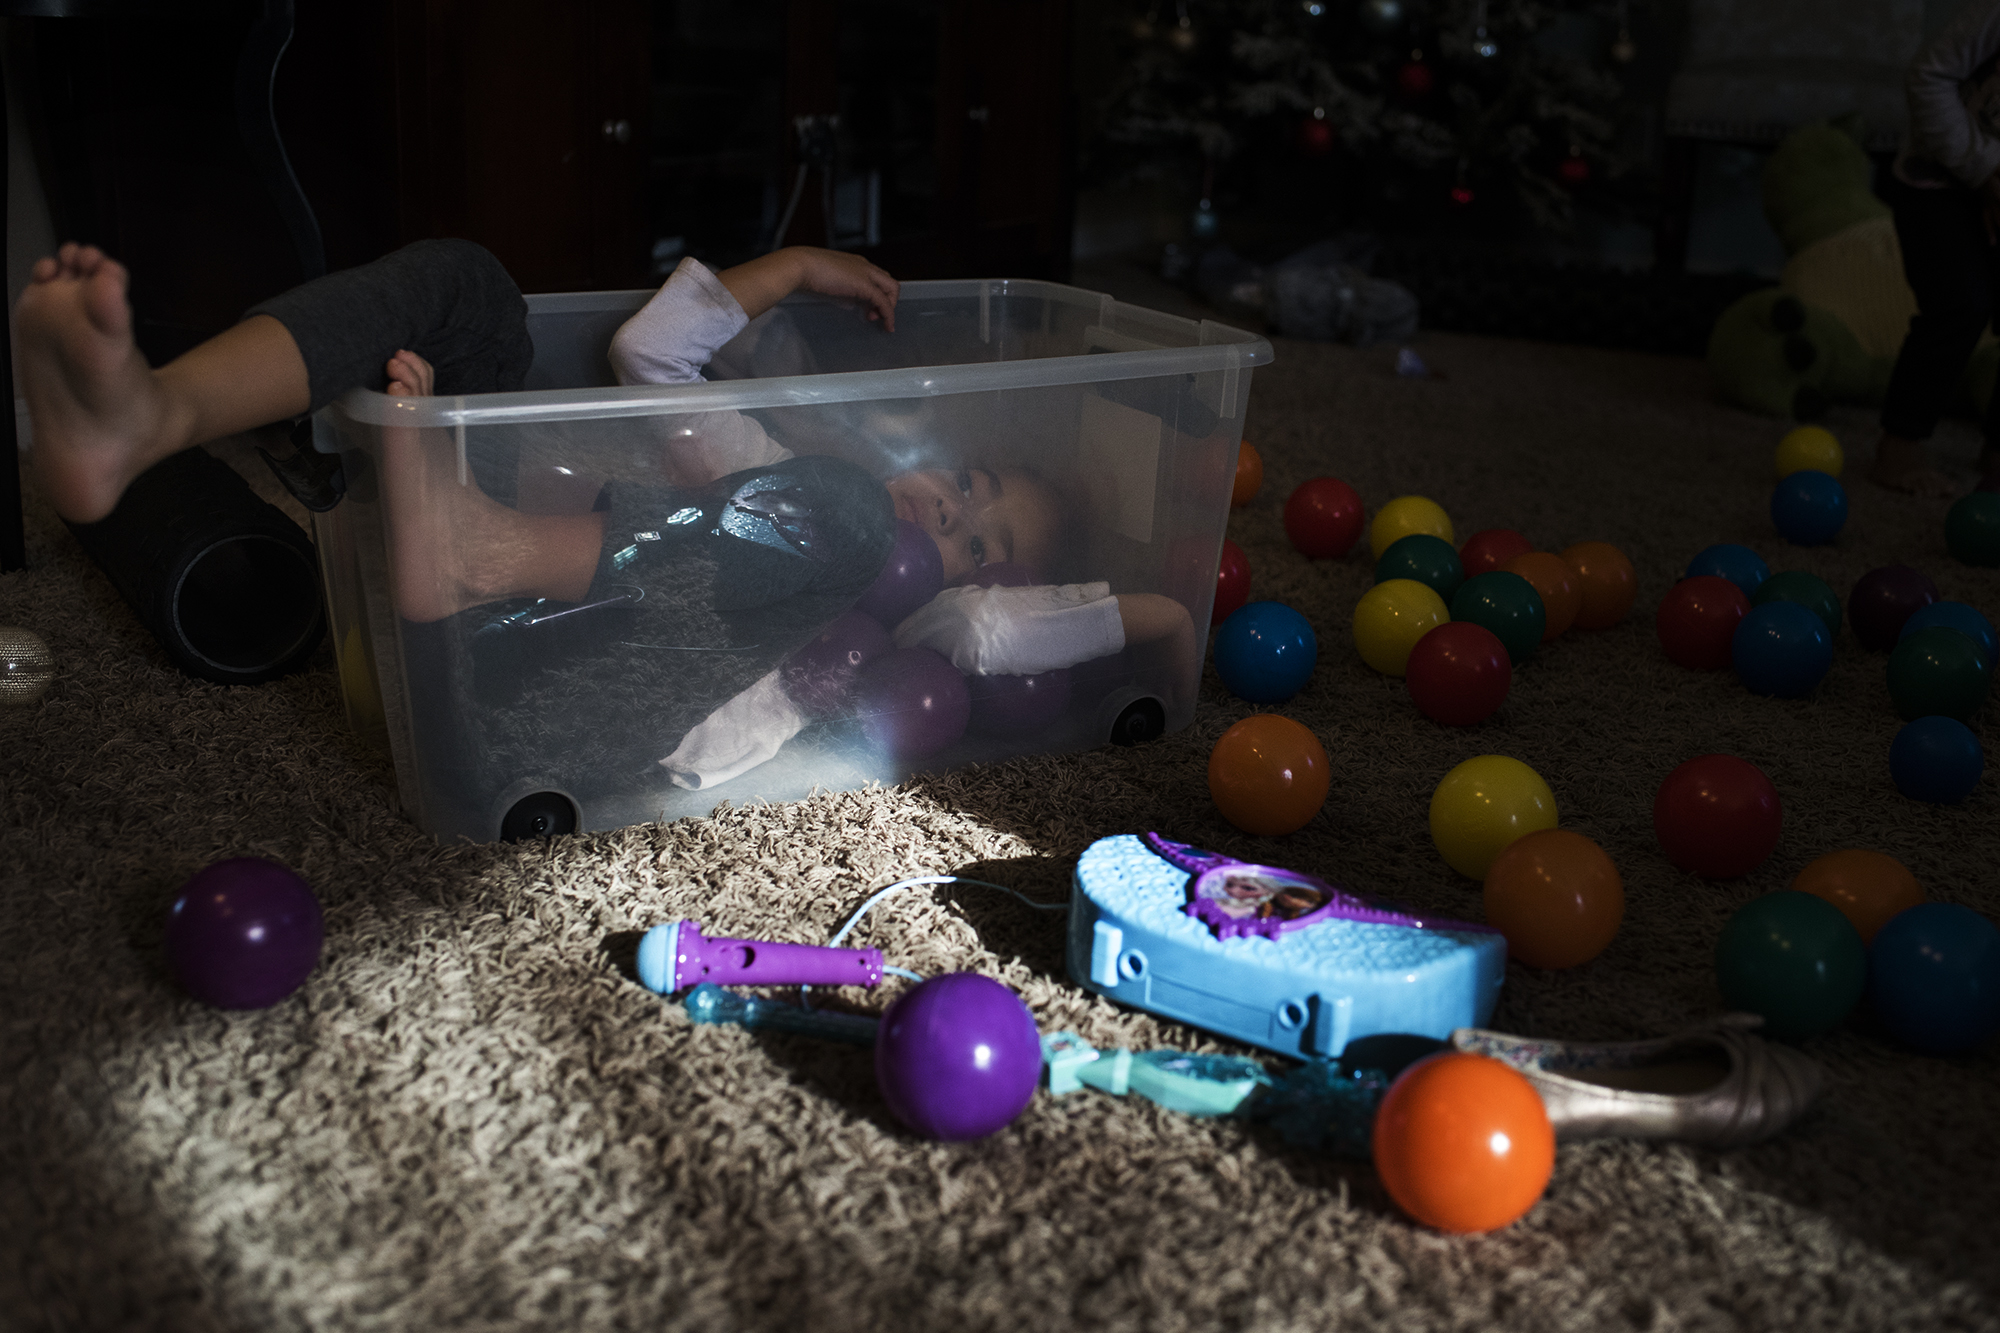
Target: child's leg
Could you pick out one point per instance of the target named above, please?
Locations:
(1949, 262)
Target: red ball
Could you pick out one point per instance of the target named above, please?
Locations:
(1316, 136)
(1717, 816)
(1697, 622)
(1487, 551)
(1232, 582)
(1458, 673)
(1414, 78)
(1323, 518)
(1574, 170)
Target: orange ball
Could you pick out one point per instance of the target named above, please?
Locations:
(1249, 475)
(1268, 775)
(1604, 578)
(1463, 1143)
(1868, 887)
(1552, 580)
(1557, 898)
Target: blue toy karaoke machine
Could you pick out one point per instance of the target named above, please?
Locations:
(1272, 957)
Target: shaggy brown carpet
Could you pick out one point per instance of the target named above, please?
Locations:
(471, 1117)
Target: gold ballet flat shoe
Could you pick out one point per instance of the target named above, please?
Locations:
(1719, 1085)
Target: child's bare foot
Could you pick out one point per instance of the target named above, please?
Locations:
(451, 547)
(1904, 465)
(99, 418)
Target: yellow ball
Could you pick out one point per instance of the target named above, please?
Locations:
(1811, 447)
(1391, 617)
(1483, 806)
(1408, 516)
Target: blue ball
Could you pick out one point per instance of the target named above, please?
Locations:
(1265, 652)
(1739, 564)
(1782, 649)
(1809, 508)
(1958, 616)
(1936, 759)
(1934, 977)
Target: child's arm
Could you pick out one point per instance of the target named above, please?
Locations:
(1160, 626)
(768, 279)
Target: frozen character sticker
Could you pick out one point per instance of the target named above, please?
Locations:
(1233, 897)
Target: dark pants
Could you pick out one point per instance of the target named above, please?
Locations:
(1952, 267)
(699, 591)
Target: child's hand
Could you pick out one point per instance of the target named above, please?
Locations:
(409, 376)
(836, 273)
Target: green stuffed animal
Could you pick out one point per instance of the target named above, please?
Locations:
(1771, 353)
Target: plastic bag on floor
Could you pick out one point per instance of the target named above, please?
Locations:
(1321, 292)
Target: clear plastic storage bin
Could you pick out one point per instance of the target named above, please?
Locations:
(524, 716)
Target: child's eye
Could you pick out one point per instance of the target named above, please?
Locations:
(964, 480)
(977, 546)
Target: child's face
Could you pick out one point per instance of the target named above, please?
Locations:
(980, 517)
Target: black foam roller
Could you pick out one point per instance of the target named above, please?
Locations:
(224, 580)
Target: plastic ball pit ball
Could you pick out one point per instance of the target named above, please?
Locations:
(1697, 622)
(1266, 652)
(1483, 806)
(1232, 582)
(912, 703)
(26, 665)
(913, 575)
(1972, 529)
(1809, 508)
(957, 1057)
(820, 677)
(1323, 518)
(1428, 560)
(1781, 649)
(1936, 759)
(1549, 575)
(1934, 978)
(1491, 549)
(1717, 816)
(1557, 898)
(1406, 516)
(1604, 580)
(1868, 887)
(1796, 959)
(243, 934)
(1017, 705)
(1882, 600)
(1268, 775)
(1506, 604)
(1958, 616)
(1810, 447)
(1938, 672)
(1809, 591)
(1391, 618)
(1463, 1143)
(1458, 674)
(1739, 564)
(1249, 475)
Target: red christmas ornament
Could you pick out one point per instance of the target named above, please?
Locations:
(1461, 195)
(1316, 136)
(1415, 77)
(1574, 169)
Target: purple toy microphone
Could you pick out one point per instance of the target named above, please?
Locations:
(675, 956)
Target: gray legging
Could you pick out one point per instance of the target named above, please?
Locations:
(698, 593)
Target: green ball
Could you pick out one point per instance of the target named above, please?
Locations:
(1796, 959)
(1938, 672)
(1427, 559)
(1972, 528)
(1506, 604)
(1808, 590)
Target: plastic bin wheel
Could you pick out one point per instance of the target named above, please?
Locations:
(542, 814)
(1144, 719)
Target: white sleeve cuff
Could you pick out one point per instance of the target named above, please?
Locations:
(677, 332)
(736, 737)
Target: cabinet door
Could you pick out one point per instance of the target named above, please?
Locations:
(521, 126)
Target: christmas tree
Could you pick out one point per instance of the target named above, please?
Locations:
(1382, 112)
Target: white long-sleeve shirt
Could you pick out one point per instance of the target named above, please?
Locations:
(1954, 96)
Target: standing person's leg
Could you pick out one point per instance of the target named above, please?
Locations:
(102, 415)
(1949, 262)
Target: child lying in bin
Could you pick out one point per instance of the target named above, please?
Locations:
(699, 588)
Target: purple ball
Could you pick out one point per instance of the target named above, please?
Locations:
(913, 575)
(912, 702)
(1882, 600)
(243, 934)
(1004, 705)
(958, 1057)
(820, 676)
(999, 574)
